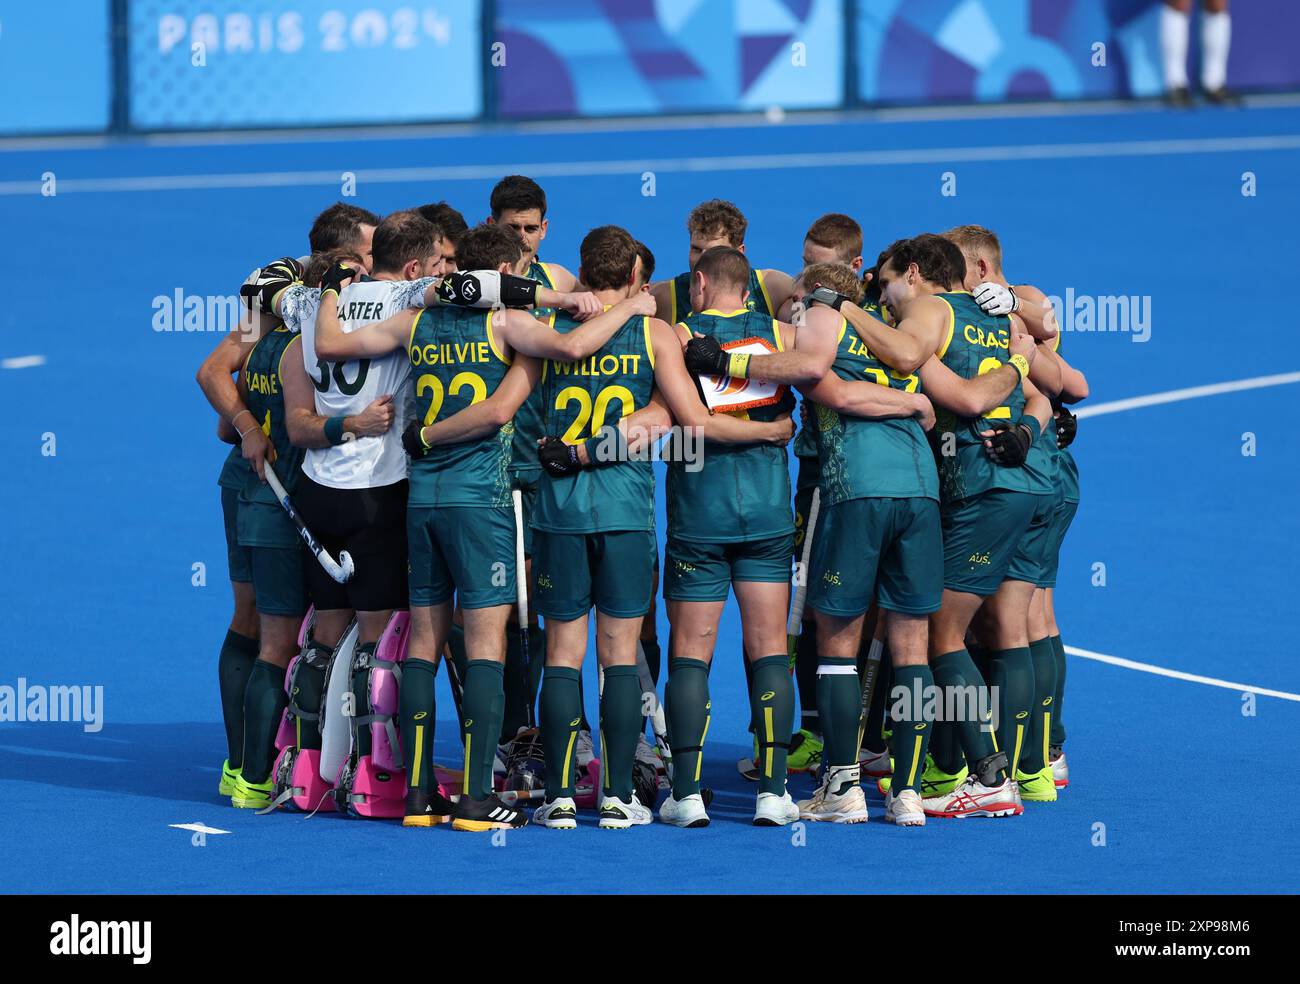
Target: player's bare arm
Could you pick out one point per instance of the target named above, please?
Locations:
(1074, 384)
(526, 334)
(967, 397)
(863, 398)
(216, 377)
(917, 337)
(306, 427)
(809, 359)
(491, 414)
(683, 400)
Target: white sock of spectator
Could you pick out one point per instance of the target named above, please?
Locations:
(1216, 38)
(1175, 29)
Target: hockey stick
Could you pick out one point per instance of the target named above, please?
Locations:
(869, 674)
(341, 571)
(658, 725)
(521, 596)
(794, 627)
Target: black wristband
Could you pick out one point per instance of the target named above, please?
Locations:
(518, 292)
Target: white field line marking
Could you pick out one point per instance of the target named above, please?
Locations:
(1191, 393)
(22, 362)
(1130, 664)
(198, 828)
(751, 162)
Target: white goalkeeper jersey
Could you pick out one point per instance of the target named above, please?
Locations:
(347, 388)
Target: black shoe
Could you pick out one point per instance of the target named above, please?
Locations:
(1222, 96)
(486, 814)
(1179, 98)
(427, 809)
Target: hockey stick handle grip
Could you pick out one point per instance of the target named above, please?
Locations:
(521, 568)
(795, 625)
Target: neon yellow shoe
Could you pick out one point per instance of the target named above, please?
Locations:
(251, 795)
(805, 752)
(228, 777)
(1037, 787)
(934, 781)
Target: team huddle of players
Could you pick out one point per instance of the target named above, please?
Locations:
(415, 376)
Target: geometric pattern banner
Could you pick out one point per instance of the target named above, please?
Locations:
(631, 57)
(194, 63)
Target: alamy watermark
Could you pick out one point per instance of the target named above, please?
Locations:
(36, 703)
(1126, 313)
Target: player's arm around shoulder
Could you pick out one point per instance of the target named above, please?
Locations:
(480, 419)
(368, 341)
(915, 339)
(662, 293)
(809, 349)
(866, 398)
(683, 400)
(780, 289)
(967, 397)
(1036, 311)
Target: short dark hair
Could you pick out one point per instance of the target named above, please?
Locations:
(608, 255)
(718, 218)
(449, 221)
(318, 263)
(487, 246)
(939, 260)
(339, 227)
(726, 265)
(647, 261)
(839, 232)
(403, 237)
(517, 193)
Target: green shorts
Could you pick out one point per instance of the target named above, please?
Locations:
(704, 571)
(276, 556)
(884, 548)
(237, 559)
(613, 571)
(526, 482)
(981, 535)
(1062, 517)
(463, 550)
(1033, 552)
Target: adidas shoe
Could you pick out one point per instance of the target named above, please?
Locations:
(560, 813)
(973, 799)
(772, 810)
(427, 809)
(251, 795)
(228, 776)
(486, 814)
(1037, 787)
(615, 814)
(686, 812)
(839, 799)
(905, 809)
(1060, 768)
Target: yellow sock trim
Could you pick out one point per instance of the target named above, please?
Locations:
(419, 749)
(916, 759)
(699, 756)
(767, 757)
(468, 740)
(568, 757)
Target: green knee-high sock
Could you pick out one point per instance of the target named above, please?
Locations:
(963, 689)
(980, 656)
(805, 673)
(620, 725)
(749, 687)
(483, 709)
(911, 730)
(1011, 672)
(1034, 756)
(771, 704)
(560, 718)
(687, 712)
(264, 703)
(516, 685)
(839, 705)
(417, 717)
(1058, 701)
(876, 722)
(238, 652)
